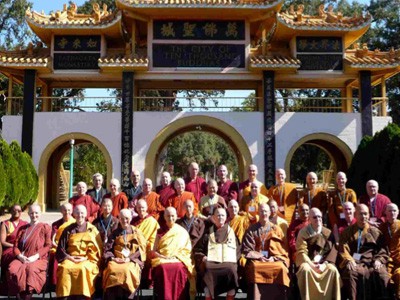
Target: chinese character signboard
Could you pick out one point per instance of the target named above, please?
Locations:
(320, 53)
(76, 52)
(198, 55)
(226, 48)
(199, 30)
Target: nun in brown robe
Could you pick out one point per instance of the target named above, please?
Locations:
(216, 256)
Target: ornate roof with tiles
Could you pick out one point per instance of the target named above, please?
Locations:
(208, 8)
(70, 21)
(294, 22)
(127, 63)
(360, 57)
(261, 62)
(32, 57)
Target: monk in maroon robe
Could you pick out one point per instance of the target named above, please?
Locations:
(376, 202)
(227, 189)
(166, 189)
(91, 206)
(118, 198)
(294, 229)
(9, 232)
(27, 272)
(194, 183)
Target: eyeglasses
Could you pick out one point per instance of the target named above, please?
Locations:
(317, 217)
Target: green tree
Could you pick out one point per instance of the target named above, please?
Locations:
(14, 185)
(34, 176)
(88, 160)
(378, 158)
(26, 179)
(308, 158)
(207, 149)
(87, 8)
(13, 28)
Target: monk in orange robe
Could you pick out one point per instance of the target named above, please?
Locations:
(244, 187)
(285, 194)
(178, 200)
(119, 199)
(314, 196)
(338, 197)
(154, 206)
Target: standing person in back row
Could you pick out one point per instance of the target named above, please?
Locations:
(244, 187)
(375, 201)
(337, 198)
(194, 183)
(285, 194)
(134, 188)
(227, 189)
(97, 192)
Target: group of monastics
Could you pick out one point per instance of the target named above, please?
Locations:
(190, 236)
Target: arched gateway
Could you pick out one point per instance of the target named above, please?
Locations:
(152, 50)
(206, 124)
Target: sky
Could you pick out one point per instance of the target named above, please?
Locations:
(53, 5)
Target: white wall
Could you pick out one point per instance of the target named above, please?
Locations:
(146, 125)
(106, 127)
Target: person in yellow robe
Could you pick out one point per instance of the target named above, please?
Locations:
(267, 266)
(391, 232)
(125, 252)
(148, 225)
(285, 194)
(245, 186)
(249, 204)
(78, 255)
(171, 259)
(318, 277)
(57, 229)
(277, 220)
(239, 224)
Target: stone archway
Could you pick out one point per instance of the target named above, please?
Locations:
(194, 123)
(338, 151)
(54, 151)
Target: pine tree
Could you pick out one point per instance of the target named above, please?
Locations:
(3, 184)
(34, 176)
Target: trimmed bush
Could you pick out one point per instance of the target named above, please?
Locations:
(378, 158)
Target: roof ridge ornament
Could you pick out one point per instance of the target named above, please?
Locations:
(70, 14)
(294, 16)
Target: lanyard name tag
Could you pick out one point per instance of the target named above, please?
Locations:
(252, 208)
(264, 253)
(317, 258)
(342, 215)
(125, 252)
(357, 256)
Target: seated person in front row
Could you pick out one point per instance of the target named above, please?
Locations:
(267, 264)
(27, 272)
(78, 255)
(363, 259)
(216, 255)
(125, 252)
(57, 229)
(171, 260)
(106, 222)
(316, 254)
(391, 232)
